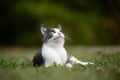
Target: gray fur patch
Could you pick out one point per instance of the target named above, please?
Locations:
(48, 35)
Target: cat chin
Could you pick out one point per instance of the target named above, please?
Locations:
(59, 37)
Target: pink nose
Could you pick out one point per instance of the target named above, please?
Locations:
(59, 34)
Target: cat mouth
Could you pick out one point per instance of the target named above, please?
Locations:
(59, 37)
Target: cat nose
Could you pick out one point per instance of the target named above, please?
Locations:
(59, 33)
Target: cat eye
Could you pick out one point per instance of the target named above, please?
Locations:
(52, 31)
(60, 30)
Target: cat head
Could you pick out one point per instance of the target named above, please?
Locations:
(52, 34)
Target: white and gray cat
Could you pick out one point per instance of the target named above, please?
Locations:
(53, 51)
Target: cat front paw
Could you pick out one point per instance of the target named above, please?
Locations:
(68, 65)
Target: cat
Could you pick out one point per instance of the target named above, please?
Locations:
(53, 51)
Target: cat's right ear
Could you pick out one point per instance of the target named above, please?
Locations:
(43, 29)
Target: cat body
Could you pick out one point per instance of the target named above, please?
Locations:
(53, 51)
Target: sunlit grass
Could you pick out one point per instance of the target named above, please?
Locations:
(15, 65)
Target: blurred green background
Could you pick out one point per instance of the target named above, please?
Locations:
(85, 22)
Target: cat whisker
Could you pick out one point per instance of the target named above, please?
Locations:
(68, 38)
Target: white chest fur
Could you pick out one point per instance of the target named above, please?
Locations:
(54, 54)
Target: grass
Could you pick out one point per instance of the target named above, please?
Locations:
(14, 65)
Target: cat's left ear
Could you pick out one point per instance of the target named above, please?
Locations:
(43, 29)
(59, 27)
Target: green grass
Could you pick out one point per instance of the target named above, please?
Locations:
(15, 65)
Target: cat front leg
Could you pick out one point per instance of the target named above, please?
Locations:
(52, 64)
(74, 60)
(54, 61)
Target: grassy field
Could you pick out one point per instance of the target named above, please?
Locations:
(15, 65)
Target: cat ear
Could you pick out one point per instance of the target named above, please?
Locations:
(59, 27)
(43, 29)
